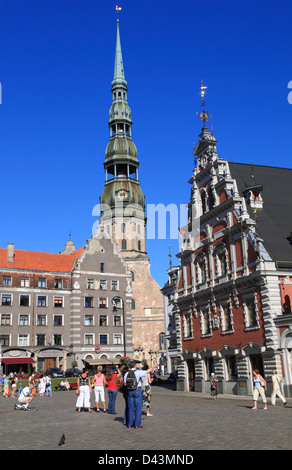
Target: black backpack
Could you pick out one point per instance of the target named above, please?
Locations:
(131, 382)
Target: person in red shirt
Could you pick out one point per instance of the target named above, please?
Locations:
(111, 380)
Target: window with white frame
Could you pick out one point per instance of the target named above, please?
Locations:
(58, 302)
(58, 320)
(23, 320)
(118, 338)
(24, 300)
(40, 340)
(188, 330)
(5, 340)
(103, 284)
(89, 339)
(103, 320)
(90, 283)
(114, 285)
(89, 320)
(250, 310)
(42, 282)
(102, 302)
(41, 320)
(23, 340)
(226, 317)
(6, 319)
(205, 317)
(42, 301)
(25, 282)
(57, 340)
(6, 299)
(117, 320)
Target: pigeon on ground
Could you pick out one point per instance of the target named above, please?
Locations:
(62, 440)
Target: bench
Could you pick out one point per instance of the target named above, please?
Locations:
(72, 386)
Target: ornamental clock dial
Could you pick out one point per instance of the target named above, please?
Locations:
(122, 194)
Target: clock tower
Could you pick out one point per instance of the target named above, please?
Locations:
(122, 217)
(122, 201)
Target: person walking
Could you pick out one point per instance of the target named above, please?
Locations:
(48, 386)
(214, 386)
(133, 382)
(83, 391)
(111, 380)
(146, 390)
(276, 389)
(6, 386)
(14, 381)
(99, 383)
(260, 386)
(42, 385)
(1, 385)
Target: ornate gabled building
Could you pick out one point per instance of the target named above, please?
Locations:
(233, 300)
(123, 219)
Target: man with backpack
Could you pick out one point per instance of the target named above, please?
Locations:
(133, 384)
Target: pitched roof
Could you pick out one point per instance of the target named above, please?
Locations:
(37, 261)
(274, 222)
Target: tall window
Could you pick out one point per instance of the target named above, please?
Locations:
(205, 322)
(251, 317)
(42, 283)
(187, 325)
(124, 244)
(221, 261)
(226, 318)
(88, 302)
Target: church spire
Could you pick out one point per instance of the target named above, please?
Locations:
(122, 188)
(119, 73)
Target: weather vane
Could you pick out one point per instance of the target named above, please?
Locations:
(118, 9)
(204, 115)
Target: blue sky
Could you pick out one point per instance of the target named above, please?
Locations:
(56, 68)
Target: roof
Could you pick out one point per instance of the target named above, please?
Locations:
(274, 223)
(37, 261)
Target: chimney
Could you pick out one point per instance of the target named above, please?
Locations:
(10, 252)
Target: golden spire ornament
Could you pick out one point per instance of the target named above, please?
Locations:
(118, 9)
(204, 115)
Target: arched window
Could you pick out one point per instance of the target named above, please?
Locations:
(133, 304)
(139, 245)
(133, 275)
(124, 244)
(123, 228)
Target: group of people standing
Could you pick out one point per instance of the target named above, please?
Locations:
(100, 381)
(134, 396)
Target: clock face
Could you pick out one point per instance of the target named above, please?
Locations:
(122, 194)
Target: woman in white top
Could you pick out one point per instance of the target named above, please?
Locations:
(260, 385)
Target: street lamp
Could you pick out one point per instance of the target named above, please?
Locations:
(115, 301)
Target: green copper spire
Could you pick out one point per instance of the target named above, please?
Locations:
(122, 191)
(119, 67)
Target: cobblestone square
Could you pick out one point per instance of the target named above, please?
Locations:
(181, 421)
